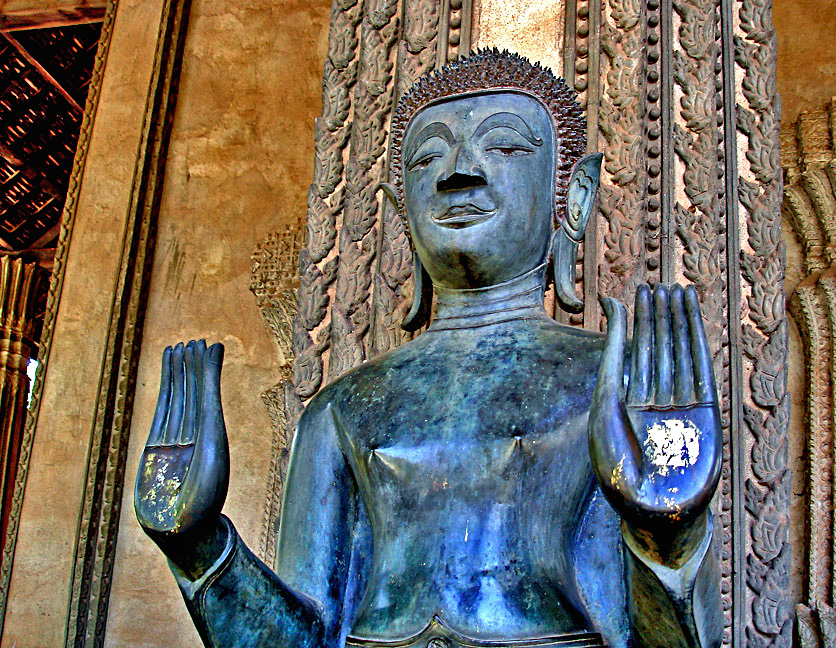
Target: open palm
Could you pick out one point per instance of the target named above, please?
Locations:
(184, 471)
(656, 444)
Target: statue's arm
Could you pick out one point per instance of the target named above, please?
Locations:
(634, 595)
(674, 600)
(238, 601)
(655, 445)
(235, 599)
(305, 602)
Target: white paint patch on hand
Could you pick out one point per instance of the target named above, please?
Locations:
(672, 444)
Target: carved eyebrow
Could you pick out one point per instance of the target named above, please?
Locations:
(508, 120)
(436, 129)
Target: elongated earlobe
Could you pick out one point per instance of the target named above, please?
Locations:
(389, 192)
(422, 297)
(565, 254)
(583, 187)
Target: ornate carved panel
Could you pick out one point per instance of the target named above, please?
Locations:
(355, 267)
(680, 97)
(674, 89)
(809, 209)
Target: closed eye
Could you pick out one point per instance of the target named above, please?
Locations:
(510, 151)
(424, 161)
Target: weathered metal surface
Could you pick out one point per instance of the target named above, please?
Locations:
(495, 475)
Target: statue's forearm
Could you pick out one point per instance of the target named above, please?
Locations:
(192, 554)
(238, 601)
(671, 544)
(673, 584)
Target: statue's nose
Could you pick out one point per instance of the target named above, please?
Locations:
(461, 172)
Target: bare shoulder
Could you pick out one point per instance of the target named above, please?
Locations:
(375, 373)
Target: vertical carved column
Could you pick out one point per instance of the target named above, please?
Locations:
(274, 281)
(355, 266)
(809, 208)
(354, 269)
(418, 52)
(18, 285)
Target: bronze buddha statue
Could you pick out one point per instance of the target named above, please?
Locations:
(502, 480)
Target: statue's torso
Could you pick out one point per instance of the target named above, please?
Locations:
(470, 452)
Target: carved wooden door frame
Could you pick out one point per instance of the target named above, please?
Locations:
(681, 98)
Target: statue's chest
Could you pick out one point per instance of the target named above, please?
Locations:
(474, 446)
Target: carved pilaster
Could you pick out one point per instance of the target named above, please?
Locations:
(274, 281)
(809, 209)
(18, 284)
(681, 99)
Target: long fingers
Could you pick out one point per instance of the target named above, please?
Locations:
(157, 434)
(700, 353)
(211, 458)
(641, 370)
(175, 417)
(211, 412)
(194, 389)
(613, 446)
(663, 353)
(611, 372)
(192, 395)
(671, 361)
(683, 388)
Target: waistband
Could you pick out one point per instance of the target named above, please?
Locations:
(437, 635)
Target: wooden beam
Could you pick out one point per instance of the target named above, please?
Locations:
(46, 237)
(36, 177)
(42, 71)
(7, 154)
(39, 15)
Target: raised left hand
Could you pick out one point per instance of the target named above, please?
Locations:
(655, 440)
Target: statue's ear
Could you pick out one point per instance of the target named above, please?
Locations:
(583, 187)
(422, 297)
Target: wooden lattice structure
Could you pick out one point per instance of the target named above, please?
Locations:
(44, 78)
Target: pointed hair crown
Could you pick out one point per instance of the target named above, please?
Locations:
(489, 70)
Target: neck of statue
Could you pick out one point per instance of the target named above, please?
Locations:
(519, 298)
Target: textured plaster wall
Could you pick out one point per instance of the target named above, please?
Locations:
(534, 28)
(806, 56)
(240, 162)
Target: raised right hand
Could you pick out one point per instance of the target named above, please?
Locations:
(656, 443)
(183, 475)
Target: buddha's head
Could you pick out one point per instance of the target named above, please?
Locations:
(489, 176)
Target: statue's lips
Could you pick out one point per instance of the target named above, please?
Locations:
(463, 216)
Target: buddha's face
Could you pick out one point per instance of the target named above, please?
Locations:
(479, 187)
